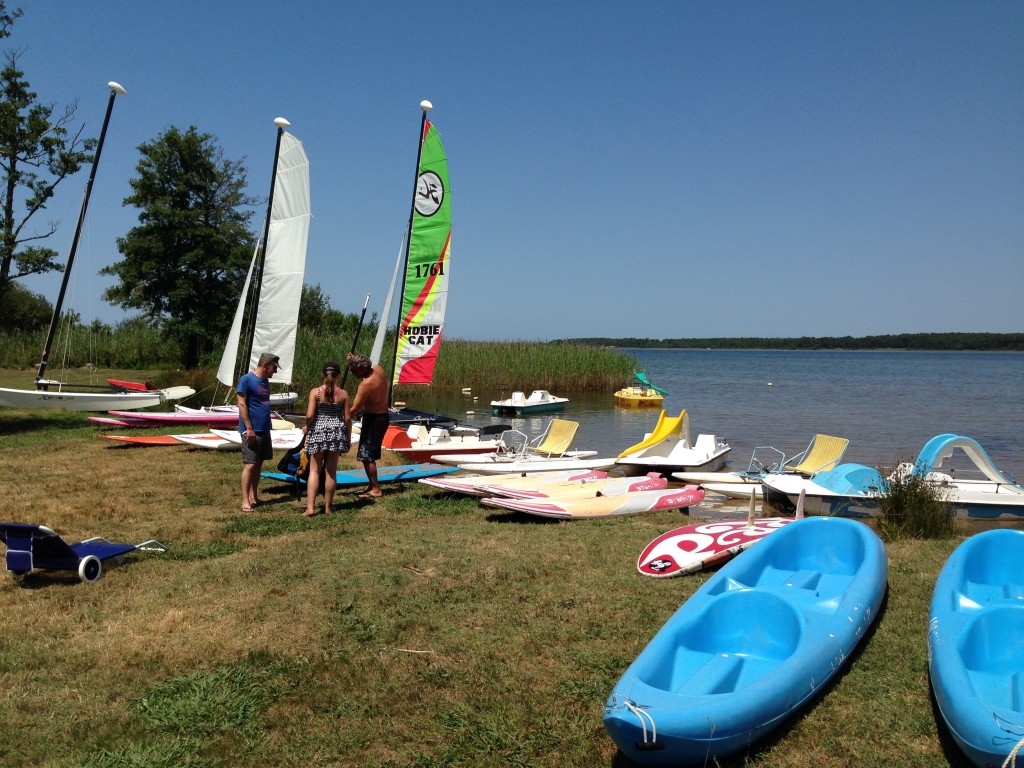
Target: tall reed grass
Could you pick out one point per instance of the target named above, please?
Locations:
(910, 506)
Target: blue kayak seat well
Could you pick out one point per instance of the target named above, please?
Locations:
(31, 547)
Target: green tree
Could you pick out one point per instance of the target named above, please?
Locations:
(189, 254)
(24, 311)
(38, 150)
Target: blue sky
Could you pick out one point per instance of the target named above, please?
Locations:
(651, 169)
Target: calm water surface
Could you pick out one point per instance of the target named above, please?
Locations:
(887, 403)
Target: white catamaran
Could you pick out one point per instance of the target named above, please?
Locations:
(279, 269)
(51, 393)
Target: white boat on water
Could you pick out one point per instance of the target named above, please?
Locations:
(539, 401)
(668, 449)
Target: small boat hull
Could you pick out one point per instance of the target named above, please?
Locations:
(79, 401)
(754, 643)
(473, 485)
(976, 645)
(638, 397)
(600, 505)
(539, 401)
(535, 465)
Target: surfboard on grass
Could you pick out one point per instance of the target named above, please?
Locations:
(388, 474)
(588, 487)
(703, 545)
(144, 439)
(577, 508)
(473, 484)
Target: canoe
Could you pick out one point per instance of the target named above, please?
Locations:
(976, 645)
(611, 505)
(754, 643)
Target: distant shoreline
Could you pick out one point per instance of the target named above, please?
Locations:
(903, 342)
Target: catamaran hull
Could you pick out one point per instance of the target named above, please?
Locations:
(79, 401)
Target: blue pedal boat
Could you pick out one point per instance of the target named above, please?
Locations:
(976, 645)
(753, 644)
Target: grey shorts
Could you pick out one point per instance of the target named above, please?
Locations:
(261, 449)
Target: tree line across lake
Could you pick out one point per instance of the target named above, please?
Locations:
(936, 342)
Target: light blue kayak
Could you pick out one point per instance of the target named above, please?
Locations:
(976, 645)
(760, 638)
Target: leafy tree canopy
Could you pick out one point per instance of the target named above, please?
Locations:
(189, 254)
(38, 150)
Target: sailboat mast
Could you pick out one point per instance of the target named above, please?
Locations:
(115, 89)
(426, 106)
(281, 124)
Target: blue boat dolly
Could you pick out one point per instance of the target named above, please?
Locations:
(36, 546)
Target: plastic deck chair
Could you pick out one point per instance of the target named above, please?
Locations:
(557, 439)
(823, 453)
(36, 546)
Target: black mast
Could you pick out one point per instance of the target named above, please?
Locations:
(281, 124)
(426, 106)
(115, 89)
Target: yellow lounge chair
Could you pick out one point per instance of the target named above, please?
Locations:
(823, 453)
(557, 438)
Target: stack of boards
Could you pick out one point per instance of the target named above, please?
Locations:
(573, 494)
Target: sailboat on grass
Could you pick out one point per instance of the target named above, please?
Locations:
(50, 393)
(426, 256)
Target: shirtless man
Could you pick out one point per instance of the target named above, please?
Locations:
(371, 401)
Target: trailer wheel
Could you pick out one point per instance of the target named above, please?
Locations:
(89, 569)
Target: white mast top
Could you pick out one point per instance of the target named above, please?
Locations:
(117, 88)
(280, 122)
(426, 106)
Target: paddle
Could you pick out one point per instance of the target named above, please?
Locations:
(355, 339)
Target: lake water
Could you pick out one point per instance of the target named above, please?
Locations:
(888, 404)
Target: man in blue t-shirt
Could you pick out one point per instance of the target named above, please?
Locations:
(254, 424)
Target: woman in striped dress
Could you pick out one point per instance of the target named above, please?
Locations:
(328, 427)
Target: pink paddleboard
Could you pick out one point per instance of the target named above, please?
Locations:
(703, 545)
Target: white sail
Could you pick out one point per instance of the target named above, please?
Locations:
(382, 323)
(226, 373)
(284, 269)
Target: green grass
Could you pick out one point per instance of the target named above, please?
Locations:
(422, 630)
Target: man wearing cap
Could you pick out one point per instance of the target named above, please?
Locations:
(371, 401)
(254, 424)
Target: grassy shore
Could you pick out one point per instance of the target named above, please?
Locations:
(423, 630)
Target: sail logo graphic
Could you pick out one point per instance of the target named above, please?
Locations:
(429, 193)
(420, 334)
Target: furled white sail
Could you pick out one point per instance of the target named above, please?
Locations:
(226, 373)
(382, 324)
(284, 268)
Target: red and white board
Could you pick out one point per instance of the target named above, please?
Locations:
(144, 439)
(703, 545)
(577, 508)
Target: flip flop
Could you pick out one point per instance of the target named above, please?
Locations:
(368, 496)
(309, 514)
(245, 510)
